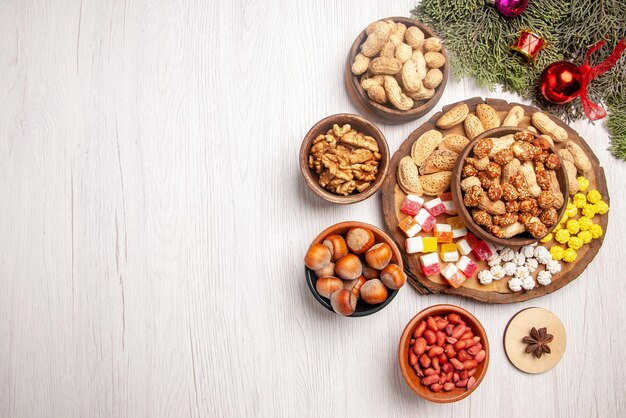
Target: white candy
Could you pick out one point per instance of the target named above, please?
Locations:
(553, 266)
(450, 256)
(519, 259)
(450, 208)
(494, 260)
(485, 277)
(414, 245)
(515, 284)
(507, 254)
(510, 268)
(522, 272)
(527, 250)
(528, 283)
(541, 253)
(531, 264)
(497, 272)
(544, 278)
(459, 232)
(464, 247)
(449, 271)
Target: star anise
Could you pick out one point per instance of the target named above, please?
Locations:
(538, 342)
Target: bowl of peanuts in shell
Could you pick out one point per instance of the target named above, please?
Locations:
(443, 353)
(509, 186)
(396, 70)
(344, 158)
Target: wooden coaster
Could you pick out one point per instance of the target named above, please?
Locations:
(520, 325)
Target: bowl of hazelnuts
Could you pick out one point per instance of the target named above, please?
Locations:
(509, 186)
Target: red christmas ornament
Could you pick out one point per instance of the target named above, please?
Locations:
(529, 44)
(509, 8)
(562, 81)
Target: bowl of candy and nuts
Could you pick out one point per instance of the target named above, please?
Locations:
(354, 269)
(396, 70)
(344, 158)
(509, 186)
(443, 353)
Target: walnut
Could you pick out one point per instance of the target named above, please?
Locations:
(494, 193)
(337, 167)
(358, 140)
(546, 200)
(356, 156)
(528, 205)
(504, 157)
(524, 136)
(473, 196)
(553, 162)
(345, 188)
(487, 181)
(544, 180)
(549, 216)
(509, 192)
(483, 147)
(361, 186)
(537, 229)
(340, 131)
(365, 172)
(505, 220)
(493, 170)
(482, 218)
(469, 171)
(325, 178)
(512, 206)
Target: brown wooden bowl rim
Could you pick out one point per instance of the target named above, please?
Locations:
(380, 236)
(463, 212)
(406, 369)
(416, 111)
(372, 130)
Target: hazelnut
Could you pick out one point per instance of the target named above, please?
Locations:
(355, 286)
(317, 257)
(393, 276)
(378, 256)
(343, 302)
(327, 270)
(359, 239)
(349, 267)
(326, 286)
(369, 272)
(337, 246)
(374, 292)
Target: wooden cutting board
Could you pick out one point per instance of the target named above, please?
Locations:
(497, 291)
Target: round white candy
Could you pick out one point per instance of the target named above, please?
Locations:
(515, 284)
(527, 250)
(507, 254)
(519, 259)
(510, 268)
(522, 272)
(494, 260)
(528, 283)
(485, 277)
(553, 266)
(531, 264)
(544, 278)
(497, 272)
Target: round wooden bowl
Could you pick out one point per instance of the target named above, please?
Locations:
(409, 374)
(386, 113)
(361, 125)
(457, 195)
(362, 308)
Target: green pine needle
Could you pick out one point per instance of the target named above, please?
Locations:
(478, 38)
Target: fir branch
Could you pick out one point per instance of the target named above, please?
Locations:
(477, 39)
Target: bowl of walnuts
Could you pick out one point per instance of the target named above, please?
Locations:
(509, 186)
(396, 70)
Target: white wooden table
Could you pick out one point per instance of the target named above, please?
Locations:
(153, 223)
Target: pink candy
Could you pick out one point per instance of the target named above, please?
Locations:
(435, 207)
(426, 220)
(483, 250)
(467, 266)
(411, 205)
(430, 264)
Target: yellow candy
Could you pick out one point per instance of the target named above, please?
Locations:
(571, 210)
(584, 223)
(430, 244)
(596, 231)
(579, 200)
(562, 236)
(547, 238)
(447, 248)
(557, 252)
(585, 236)
(583, 183)
(594, 196)
(589, 210)
(575, 243)
(572, 226)
(602, 207)
(569, 255)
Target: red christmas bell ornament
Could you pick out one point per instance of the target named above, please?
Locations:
(529, 44)
(562, 81)
(509, 8)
